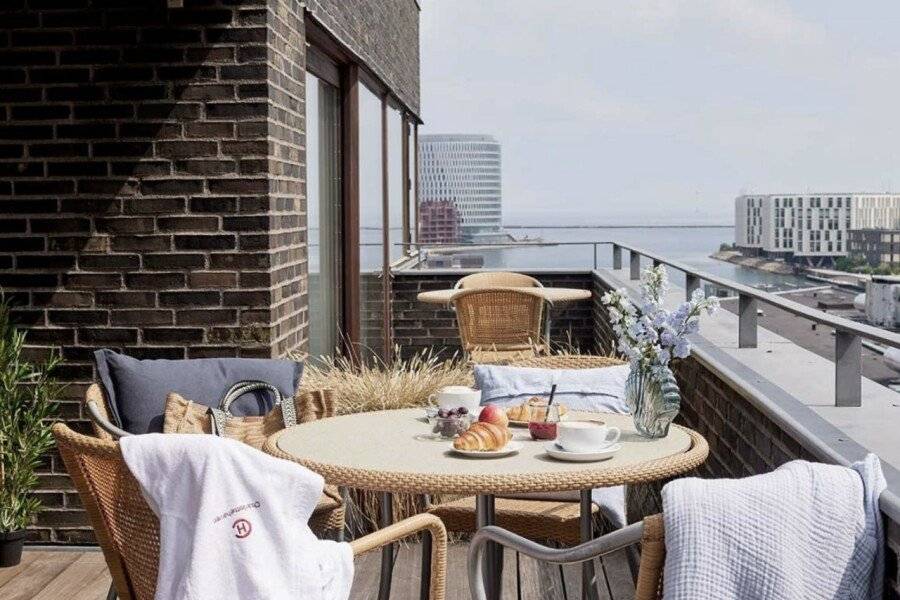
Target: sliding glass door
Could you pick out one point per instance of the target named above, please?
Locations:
(323, 205)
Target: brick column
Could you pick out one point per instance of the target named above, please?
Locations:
(151, 169)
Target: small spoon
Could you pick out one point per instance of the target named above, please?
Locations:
(550, 401)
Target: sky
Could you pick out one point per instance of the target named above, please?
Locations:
(653, 111)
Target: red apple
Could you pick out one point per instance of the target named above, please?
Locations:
(494, 414)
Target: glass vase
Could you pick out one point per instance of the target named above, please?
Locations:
(654, 400)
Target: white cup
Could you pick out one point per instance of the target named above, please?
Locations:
(454, 396)
(585, 436)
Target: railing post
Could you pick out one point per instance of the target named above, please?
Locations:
(656, 263)
(847, 369)
(617, 257)
(595, 256)
(635, 264)
(692, 282)
(747, 321)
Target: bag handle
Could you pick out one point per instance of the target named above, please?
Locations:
(221, 414)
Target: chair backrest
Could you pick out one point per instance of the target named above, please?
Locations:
(125, 526)
(496, 279)
(498, 319)
(568, 361)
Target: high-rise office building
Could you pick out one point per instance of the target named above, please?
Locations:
(464, 169)
(809, 228)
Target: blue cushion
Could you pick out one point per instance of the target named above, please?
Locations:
(137, 389)
(594, 390)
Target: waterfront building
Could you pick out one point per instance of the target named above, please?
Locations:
(876, 246)
(464, 169)
(810, 229)
(438, 222)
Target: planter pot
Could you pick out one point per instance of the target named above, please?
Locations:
(654, 400)
(11, 543)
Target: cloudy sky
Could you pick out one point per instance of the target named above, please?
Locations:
(662, 111)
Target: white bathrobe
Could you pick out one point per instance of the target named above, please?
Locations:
(234, 522)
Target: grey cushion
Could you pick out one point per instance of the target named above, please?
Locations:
(137, 389)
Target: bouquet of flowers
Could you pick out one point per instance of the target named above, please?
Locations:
(649, 335)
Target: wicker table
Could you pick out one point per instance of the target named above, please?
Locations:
(551, 295)
(386, 452)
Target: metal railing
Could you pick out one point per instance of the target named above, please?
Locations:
(848, 334)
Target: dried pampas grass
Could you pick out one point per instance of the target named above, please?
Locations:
(376, 385)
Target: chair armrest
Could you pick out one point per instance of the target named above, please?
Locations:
(611, 542)
(406, 527)
(100, 422)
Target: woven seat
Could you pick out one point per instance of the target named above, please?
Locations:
(545, 520)
(327, 519)
(499, 323)
(128, 530)
(538, 517)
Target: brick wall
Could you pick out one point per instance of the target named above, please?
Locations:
(152, 173)
(384, 33)
(743, 441)
(419, 326)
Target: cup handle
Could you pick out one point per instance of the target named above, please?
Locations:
(616, 432)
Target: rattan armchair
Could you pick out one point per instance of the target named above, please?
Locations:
(496, 279)
(128, 530)
(498, 325)
(550, 517)
(328, 519)
(650, 534)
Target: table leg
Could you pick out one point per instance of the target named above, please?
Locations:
(588, 578)
(493, 553)
(387, 553)
(425, 579)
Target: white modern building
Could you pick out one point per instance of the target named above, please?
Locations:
(464, 169)
(809, 228)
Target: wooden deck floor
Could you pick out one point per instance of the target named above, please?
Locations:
(77, 575)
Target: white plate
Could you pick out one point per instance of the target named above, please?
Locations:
(560, 454)
(509, 448)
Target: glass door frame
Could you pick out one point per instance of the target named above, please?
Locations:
(341, 67)
(330, 251)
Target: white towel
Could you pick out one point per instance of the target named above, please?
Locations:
(233, 521)
(805, 530)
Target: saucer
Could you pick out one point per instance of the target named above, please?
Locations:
(510, 448)
(602, 454)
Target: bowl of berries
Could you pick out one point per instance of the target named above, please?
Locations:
(449, 423)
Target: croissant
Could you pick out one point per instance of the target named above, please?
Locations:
(483, 436)
(533, 410)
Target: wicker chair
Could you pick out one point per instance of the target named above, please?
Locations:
(496, 279)
(128, 530)
(550, 517)
(499, 325)
(650, 534)
(327, 519)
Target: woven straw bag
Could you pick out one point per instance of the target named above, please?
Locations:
(184, 416)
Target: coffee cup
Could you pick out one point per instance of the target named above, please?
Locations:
(585, 436)
(454, 396)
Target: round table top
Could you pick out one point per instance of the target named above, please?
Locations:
(387, 451)
(552, 295)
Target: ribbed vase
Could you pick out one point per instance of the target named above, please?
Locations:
(654, 401)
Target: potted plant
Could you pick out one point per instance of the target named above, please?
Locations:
(28, 396)
(652, 337)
